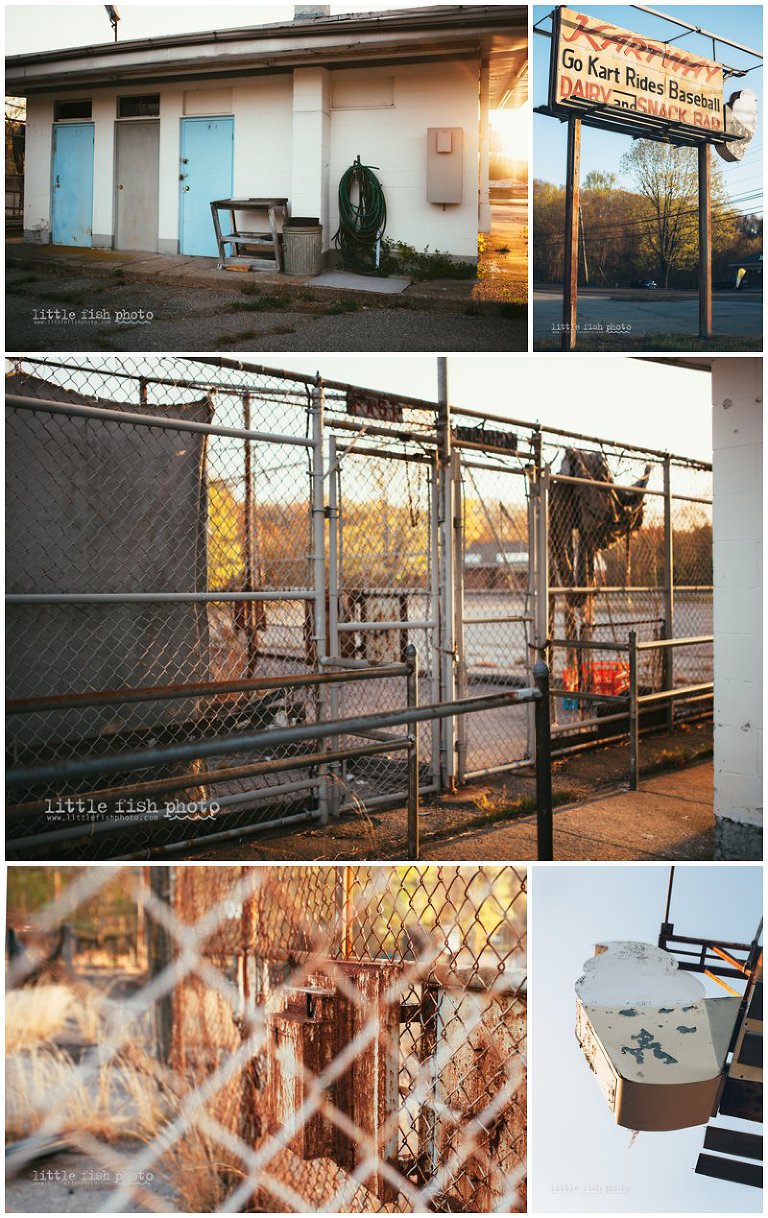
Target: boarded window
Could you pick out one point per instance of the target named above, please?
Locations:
(143, 105)
(72, 108)
(363, 93)
(208, 101)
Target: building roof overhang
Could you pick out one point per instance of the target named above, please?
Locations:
(348, 40)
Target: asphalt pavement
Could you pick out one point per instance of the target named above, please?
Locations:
(608, 316)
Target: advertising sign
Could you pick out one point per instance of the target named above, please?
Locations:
(598, 67)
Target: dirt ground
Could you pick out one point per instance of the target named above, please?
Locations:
(450, 822)
(63, 299)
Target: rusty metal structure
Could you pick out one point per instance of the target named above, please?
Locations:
(730, 1153)
(323, 1039)
(203, 551)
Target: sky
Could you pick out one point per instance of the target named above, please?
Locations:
(611, 397)
(40, 27)
(580, 1161)
(604, 150)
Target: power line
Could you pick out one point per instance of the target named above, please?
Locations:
(650, 222)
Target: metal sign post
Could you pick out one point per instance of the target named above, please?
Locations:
(705, 241)
(606, 77)
(571, 255)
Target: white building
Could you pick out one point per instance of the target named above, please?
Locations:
(737, 441)
(128, 142)
(737, 548)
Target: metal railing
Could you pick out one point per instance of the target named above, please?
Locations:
(207, 522)
(631, 701)
(196, 751)
(703, 689)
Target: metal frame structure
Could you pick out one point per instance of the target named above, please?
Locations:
(606, 118)
(438, 466)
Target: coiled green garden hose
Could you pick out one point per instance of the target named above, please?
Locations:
(361, 224)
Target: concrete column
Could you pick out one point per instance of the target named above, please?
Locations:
(310, 172)
(484, 209)
(737, 544)
(37, 170)
(171, 112)
(103, 110)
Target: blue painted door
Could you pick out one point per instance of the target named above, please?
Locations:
(72, 186)
(206, 174)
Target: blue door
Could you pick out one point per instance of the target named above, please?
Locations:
(206, 174)
(72, 187)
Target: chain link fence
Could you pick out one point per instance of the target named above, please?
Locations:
(189, 539)
(291, 1039)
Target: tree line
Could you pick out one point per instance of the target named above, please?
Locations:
(649, 232)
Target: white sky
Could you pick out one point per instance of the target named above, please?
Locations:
(40, 27)
(611, 397)
(580, 1160)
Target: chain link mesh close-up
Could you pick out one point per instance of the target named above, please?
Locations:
(292, 1039)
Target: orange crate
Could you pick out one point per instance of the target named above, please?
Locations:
(601, 677)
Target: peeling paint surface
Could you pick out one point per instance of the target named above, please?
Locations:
(656, 1054)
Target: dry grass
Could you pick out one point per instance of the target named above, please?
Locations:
(202, 1171)
(36, 1015)
(46, 1090)
(124, 1097)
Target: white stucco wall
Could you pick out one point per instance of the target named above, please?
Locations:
(37, 169)
(737, 531)
(291, 141)
(395, 139)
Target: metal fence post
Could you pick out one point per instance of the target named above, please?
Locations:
(334, 648)
(544, 828)
(412, 685)
(458, 575)
(160, 955)
(667, 655)
(447, 588)
(320, 634)
(633, 721)
(541, 614)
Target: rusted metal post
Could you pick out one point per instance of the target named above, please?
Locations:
(347, 913)
(705, 241)
(412, 684)
(633, 720)
(571, 245)
(667, 653)
(429, 1009)
(160, 954)
(544, 828)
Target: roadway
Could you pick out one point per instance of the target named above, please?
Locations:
(638, 314)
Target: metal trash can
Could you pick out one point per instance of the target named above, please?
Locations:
(302, 245)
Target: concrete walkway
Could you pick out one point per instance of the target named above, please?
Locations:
(181, 270)
(670, 817)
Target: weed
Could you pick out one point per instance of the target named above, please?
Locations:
(228, 340)
(342, 306)
(259, 304)
(398, 257)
